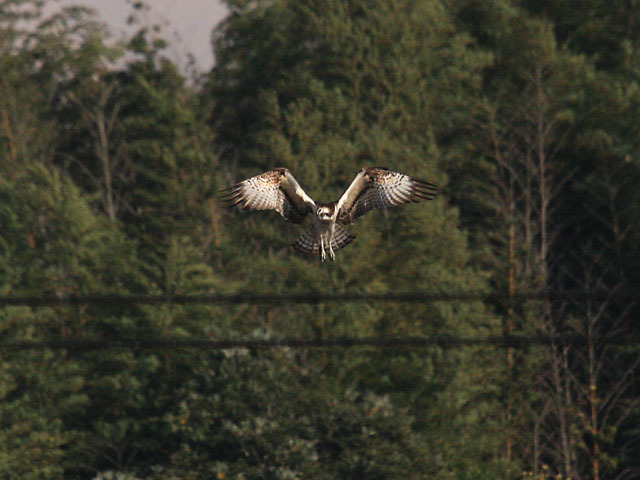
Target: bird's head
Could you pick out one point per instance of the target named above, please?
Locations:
(324, 212)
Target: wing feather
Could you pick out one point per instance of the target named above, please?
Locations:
(276, 190)
(379, 187)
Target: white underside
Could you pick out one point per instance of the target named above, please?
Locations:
(324, 232)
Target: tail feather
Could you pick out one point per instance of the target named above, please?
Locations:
(307, 242)
(341, 238)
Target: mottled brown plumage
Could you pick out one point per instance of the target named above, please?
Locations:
(378, 187)
(273, 190)
(308, 241)
(372, 188)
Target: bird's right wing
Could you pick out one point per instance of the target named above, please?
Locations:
(276, 190)
(379, 187)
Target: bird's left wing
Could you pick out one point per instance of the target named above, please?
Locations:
(379, 187)
(276, 190)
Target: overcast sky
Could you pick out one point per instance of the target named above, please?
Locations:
(187, 23)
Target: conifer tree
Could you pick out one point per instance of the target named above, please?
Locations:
(543, 128)
(325, 89)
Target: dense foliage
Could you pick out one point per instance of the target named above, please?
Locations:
(525, 112)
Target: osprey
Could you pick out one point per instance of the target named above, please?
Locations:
(372, 187)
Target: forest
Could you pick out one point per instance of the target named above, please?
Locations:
(525, 113)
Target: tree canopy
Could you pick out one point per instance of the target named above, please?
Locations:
(111, 160)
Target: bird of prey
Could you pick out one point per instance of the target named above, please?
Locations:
(372, 188)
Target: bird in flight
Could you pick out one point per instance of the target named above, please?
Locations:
(372, 188)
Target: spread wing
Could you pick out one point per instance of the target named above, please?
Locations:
(379, 187)
(276, 190)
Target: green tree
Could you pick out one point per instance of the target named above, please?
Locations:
(52, 244)
(62, 234)
(276, 415)
(550, 137)
(326, 88)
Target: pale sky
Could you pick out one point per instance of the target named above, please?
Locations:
(187, 24)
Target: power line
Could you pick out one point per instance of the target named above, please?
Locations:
(442, 341)
(314, 298)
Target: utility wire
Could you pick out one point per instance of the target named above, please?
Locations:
(443, 341)
(314, 298)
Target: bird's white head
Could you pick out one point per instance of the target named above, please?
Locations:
(324, 212)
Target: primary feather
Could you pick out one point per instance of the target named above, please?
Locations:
(379, 187)
(276, 190)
